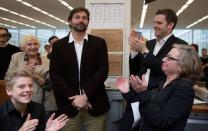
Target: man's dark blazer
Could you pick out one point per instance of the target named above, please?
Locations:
(64, 74)
(138, 66)
(5, 57)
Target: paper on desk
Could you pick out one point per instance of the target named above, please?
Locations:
(136, 113)
(196, 101)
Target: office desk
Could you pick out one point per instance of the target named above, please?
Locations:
(200, 108)
(116, 111)
(198, 119)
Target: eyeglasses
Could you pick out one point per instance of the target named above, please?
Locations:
(169, 58)
(3, 35)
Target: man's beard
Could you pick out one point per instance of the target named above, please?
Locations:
(3, 43)
(79, 27)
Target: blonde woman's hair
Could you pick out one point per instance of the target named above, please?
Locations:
(27, 39)
(12, 75)
(189, 61)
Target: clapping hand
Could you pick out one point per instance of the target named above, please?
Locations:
(56, 124)
(122, 84)
(138, 84)
(136, 43)
(29, 124)
(30, 67)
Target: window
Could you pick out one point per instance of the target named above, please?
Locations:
(60, 33)
(200, 37)
(184, 35)
(15, 37)
(43, 36)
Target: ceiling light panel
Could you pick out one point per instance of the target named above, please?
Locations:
(184, 7)
(66, 4)
(8, 25)
(144, 11)
(42, 11)
(198, 21)
(26, 17)
(16, 22)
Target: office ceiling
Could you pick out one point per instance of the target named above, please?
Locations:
(195, 11)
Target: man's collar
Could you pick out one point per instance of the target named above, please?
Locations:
(71, 38)
(164, 39)
(10, 106)
(167, 37)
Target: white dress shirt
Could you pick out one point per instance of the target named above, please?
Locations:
(78, 48)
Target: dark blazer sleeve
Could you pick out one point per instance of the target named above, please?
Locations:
(132, 96)
(178, 106)
(153, 63)
(59, 84)
(139, 64)
(96, 82)
(135, 64)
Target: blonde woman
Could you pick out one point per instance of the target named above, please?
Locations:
(167, 107)
(31, 60)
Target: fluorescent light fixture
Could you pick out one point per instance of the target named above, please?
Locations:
(42, 11)
(13, 21)
(66, 4)
(144, 11)
(26, 17)
(184, 7)
(8, 25)
(198, 21)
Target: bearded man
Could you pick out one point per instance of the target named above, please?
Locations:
(78, 69)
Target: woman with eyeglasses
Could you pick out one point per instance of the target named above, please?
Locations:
(31, 60)
(167, 107)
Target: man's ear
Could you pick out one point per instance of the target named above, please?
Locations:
(170, 25)
(69, 21)
(8, 91)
